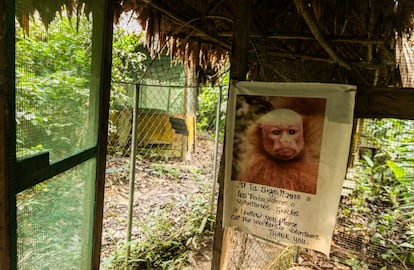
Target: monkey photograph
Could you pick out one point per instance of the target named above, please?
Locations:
(277, 141)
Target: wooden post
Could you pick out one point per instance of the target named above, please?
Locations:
(190, 98)
(238, 72)
(240, 44)
(4, 97)
(187, 91)
(103, 132)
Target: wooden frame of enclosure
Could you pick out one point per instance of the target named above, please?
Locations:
(7, 232)
(4, 131)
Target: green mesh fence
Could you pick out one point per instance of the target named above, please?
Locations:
(57, 90)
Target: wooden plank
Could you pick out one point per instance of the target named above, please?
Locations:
(4, 191)
(384, 103)
(304, 37)
(40, 160)
(190, 99)
(347, 187)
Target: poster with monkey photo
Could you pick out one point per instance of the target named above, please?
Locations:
(287, 147)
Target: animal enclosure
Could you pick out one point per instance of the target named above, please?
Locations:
(157, 105)
(56, 116)
(376, 146)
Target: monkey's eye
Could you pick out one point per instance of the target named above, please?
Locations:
(276, 132)
(292, 131)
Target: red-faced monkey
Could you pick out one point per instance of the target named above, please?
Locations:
(277, 152)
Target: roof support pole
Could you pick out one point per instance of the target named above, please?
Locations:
(241, 37)
(310, 20)
(238, 72)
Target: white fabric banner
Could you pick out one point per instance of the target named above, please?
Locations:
(287, 147)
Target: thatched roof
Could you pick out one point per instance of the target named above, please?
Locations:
(351, 41)
(48, 9)
(345, 41)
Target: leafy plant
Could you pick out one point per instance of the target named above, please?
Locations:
(53, 81)
(355, 264)
(384, 194)
(207, 108)
(53, 112)
(127, 66)
(52, 78)
(170, 236)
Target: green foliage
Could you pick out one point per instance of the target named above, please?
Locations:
(159, 169)
(207, 108)
(53, 110)
(384, 195)
(127, 66)
(170, 236)
(52, 217)
(355, 264)
(52, 77)
(127, 57)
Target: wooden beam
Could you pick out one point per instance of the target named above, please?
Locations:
(218, 229)
(310, 20)
(384, 103)
(308, 57)
(312, 38)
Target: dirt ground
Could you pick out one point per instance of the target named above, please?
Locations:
(156, 186)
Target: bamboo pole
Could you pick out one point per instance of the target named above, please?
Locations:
(216, 141)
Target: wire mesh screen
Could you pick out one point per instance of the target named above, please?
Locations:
(248, 252)
(56, 113)
(54, 219)
(373, 223)
(375, 219)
